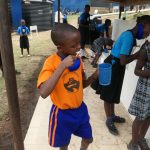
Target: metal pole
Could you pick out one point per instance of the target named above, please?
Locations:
(9, 74)
(120, 12)
(58, 11)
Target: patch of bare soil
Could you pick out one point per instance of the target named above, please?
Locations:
(28, 97)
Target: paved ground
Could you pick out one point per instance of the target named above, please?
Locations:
(36, 138)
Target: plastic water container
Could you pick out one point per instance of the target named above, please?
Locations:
(105, 72)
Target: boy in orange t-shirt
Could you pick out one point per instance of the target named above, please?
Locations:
(63, 78)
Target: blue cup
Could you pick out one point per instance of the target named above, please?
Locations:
(105, 73)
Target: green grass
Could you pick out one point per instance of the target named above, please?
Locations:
(72, 17)
(73, 20)
(135, 15)
(40, 47)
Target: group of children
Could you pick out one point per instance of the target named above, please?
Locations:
(140, 105)
(101, 30)
(63, 79)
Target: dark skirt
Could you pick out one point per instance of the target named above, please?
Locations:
(112, 92)
(24, 42)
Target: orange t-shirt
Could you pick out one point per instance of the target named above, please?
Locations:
(68, 92)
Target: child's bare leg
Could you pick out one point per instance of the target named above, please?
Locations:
(64, 148)
(136, 126)
(113, 108)
(95, 59)
(142, 132)
(85, 143)
(144, 128)
(21, 51)
(93, 62)
(108, 111)
(28, 51)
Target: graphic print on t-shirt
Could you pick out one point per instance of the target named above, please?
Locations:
(71, 82)
(23, 30)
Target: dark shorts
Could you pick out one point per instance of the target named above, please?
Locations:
(111, 93)
(64, 123)
(85, 34)
(24, 42)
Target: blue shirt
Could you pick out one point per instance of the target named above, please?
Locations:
(123, 45)
(101, 28)
(23, 30)
(84, 18)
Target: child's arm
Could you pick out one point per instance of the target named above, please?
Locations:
(96, 58)
(48, 86)
(124, 59)
(87, 82)
(28, 32)
(106, 34)
(140, 64)
(19, 31)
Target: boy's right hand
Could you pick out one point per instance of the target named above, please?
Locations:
(69, 61)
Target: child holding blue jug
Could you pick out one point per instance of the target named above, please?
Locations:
(100, 45)
(120, 56)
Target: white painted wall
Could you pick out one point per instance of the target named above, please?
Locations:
(129, 85)
(120, 26)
